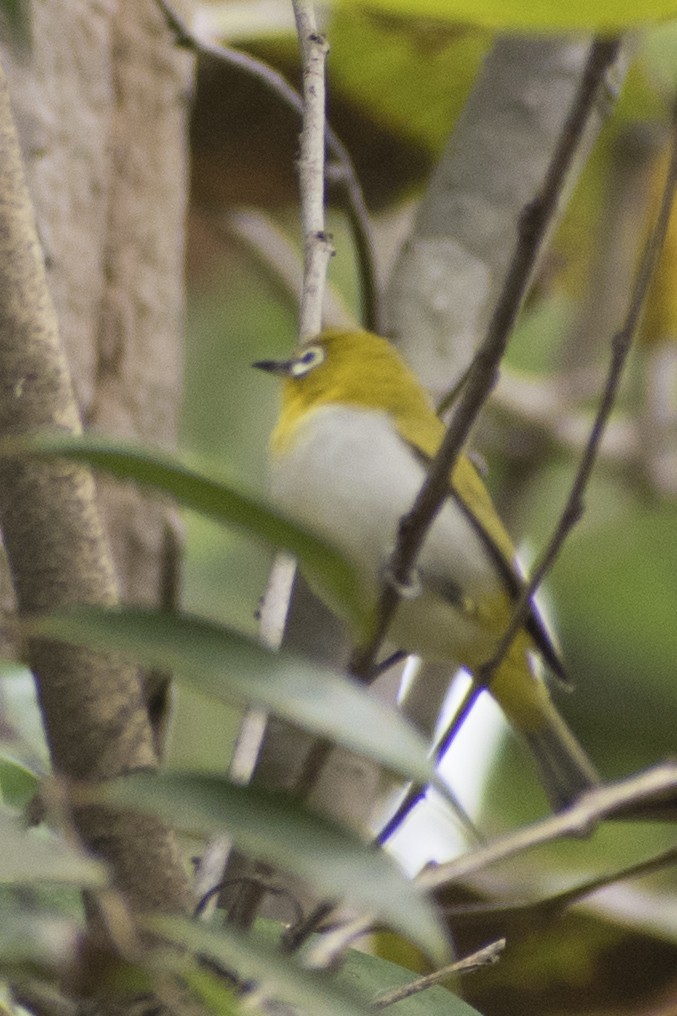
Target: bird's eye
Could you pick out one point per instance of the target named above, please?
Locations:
(312, 357)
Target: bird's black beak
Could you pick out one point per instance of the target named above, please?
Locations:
(273, 366)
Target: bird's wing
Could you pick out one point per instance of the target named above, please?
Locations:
(474, 500)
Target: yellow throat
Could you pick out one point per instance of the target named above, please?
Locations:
(359, 369)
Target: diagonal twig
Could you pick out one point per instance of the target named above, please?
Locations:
(578, 820)
(573, 508)
(484, 371)
(531, 910)
(606, 802)
(484, 957)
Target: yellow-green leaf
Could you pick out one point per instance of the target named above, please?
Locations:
(537, 15)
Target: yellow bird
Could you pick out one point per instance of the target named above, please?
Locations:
(350, 451)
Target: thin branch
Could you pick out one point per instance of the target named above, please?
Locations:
(414, 794)
(620, 348)
(341, 174)
(269, 244)
(580, 820)
(530, 910)
(613, 801)
(348, 195)
(573, 508)
(484, 371)
(317, 251)
(317, 248)
(485, 957)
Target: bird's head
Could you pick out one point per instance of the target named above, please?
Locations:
(348, 368)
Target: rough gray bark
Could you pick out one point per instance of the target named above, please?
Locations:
(450, 271)
(100, 81)
(101, 103)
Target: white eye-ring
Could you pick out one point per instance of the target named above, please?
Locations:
(307, 361)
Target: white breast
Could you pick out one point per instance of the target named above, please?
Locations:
(349, 476)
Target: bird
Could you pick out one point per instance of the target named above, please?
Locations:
(354, 438)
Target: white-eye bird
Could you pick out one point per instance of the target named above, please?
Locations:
(354, 438)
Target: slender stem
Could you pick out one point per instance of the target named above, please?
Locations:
(579, 820)
(341, 172)
(484, 957)
(620, 349)
(533, 910)
(621, 345)
(484, 370)
(616, 800)
(317, 248)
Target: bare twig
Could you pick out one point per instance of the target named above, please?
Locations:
(577, 821)
(484, 372)
(593, 807)
(530, 910)
(268, 243)
(484, 957)
(317, 251)
(414, 794)
(346, 192)
(573, 509)
(317, 248)
(620, 348)
(341, 174)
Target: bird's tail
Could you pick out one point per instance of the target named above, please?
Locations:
(564, 766)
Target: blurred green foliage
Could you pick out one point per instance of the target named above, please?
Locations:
(540, 15)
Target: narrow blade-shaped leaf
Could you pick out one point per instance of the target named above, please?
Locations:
(231, 667)
(278, 975)
(28, 857)
(216, 499)
(278, 829)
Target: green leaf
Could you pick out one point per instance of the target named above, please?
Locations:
(28, 856)
(216, 994)
(16, 14)
(18, 783)
(372, 976)
(278, 829)
(577, 15)
(216, 499)
(36, 939)
(279, 975)
(233, 668)
(376, 63)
